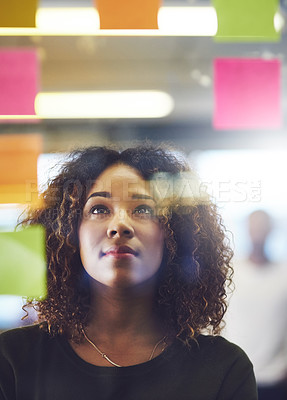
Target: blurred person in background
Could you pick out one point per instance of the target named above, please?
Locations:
(257, 316)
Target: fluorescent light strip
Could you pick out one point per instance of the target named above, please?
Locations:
(187, 21)
(103, 104)
(75, 21)
(173, 21)
(279, 22)
(99, 104)
(18, 117)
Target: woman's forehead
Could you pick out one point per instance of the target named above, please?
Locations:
(121, 178)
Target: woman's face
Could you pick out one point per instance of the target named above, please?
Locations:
(121, 240)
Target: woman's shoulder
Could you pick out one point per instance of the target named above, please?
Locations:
(22, 337)
(214, 351)
(217, 347)
(22, 332)
(218, 343)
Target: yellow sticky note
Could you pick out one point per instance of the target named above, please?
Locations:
(21, 194)
(23, 262)
(18, 13)
(246, 20)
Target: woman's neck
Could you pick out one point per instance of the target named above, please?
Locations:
(124, 325)
(122, 314)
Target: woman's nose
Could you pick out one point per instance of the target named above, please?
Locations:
(120, 226)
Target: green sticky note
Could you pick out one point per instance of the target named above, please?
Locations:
(23, 262)
(246, 20)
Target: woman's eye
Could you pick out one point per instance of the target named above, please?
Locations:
(143, 211)
(99, 210)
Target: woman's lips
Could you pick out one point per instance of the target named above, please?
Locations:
(119, 255)
(120, 252)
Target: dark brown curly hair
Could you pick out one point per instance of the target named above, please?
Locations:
(195, 271)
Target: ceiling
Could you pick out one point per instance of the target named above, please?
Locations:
(181, 66)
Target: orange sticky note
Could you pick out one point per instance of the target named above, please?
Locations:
(18, 168)
(128, 14)
(18, 81)
(18, 13)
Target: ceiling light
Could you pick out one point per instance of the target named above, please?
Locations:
(279, 22)
(9, 118)
(76, 21)
(172, 21)
(179, 21)
(187, 21)
(104, 104)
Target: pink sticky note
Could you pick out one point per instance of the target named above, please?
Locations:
(247, 94)
(18, 81)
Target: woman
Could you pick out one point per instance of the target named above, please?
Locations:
(137, 270)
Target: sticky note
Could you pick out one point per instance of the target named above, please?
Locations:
(20, 194)
(18, 81)
(128, 14)
(18, 13)
(246, 20)
(23, 262)
(247, 94)
(18, 168)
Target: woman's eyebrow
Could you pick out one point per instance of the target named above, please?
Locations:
(135, 196)
(138, 196)
(100, 194)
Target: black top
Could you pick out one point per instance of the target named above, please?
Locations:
(35, 366)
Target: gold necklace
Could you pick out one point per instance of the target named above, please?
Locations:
(112, 362)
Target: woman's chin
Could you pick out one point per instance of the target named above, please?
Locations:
(125, 282)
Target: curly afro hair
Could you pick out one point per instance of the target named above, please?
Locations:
(196, 269)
